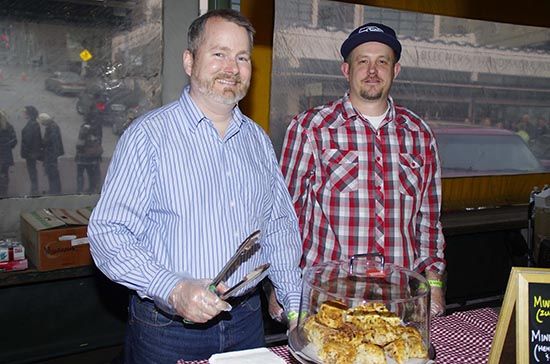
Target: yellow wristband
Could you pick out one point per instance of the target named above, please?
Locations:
(435, 283)
(292, 315)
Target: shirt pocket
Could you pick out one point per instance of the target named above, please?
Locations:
(410, 174)
(341, 168)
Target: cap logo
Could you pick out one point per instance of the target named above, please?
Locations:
(370, 28)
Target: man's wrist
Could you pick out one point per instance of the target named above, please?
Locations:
(293, 315)
(435, 283)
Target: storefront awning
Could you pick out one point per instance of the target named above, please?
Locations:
(296, 44)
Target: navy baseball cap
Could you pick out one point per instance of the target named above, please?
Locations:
(372, 32)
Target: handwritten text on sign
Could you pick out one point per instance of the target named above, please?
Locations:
(539, 323)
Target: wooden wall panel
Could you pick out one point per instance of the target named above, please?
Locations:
(490, 191)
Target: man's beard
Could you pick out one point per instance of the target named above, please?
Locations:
(371, 96)
(371, 93)
(229, 95)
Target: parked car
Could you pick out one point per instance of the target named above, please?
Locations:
(467, 150)
(541, 149)
(64, 83)
(484, 236)
(108, 102)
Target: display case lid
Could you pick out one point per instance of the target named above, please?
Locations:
(364, 278)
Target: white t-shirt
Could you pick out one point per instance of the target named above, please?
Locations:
(375, 121)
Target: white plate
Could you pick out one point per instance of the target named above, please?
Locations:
(251, 356)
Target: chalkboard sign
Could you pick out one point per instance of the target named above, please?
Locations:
(539, 322)
(528, 296)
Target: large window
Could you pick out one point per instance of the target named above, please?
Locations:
(92, 67)
(334, 18)
(453, 70)
(298, 13)
(404, 23)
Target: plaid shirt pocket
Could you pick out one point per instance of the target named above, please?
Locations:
(341, 169)
(410, 176)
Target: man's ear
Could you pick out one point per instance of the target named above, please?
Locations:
(187, 62)
(344, 67)
(396, 70)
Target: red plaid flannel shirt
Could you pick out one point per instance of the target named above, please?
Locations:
(359, 190)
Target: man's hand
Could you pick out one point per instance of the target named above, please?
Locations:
(275, 310)
(438, 301)
(193, 301)
(292, 325)
(437, 292)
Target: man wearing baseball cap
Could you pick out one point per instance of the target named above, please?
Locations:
(364, 172)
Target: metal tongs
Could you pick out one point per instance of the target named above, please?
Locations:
(232, 263)
(246, 279)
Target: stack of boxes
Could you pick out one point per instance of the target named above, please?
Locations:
(12, 256)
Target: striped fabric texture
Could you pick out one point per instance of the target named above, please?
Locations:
(178, 200)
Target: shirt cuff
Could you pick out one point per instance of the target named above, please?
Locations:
(161, 287)
(291, 302)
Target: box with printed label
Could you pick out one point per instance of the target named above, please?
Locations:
(11, 250)
(56, 238)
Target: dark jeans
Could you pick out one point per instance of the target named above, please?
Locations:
(93, 172)
(154, 337)
(54, 181)
(33, 175)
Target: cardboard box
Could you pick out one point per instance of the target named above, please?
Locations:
(56, 238)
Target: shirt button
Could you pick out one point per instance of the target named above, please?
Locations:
(228, 174)
(232, 203)
(379, 188)
(378, 159)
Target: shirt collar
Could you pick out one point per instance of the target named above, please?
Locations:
(351, 113)
(195, 115)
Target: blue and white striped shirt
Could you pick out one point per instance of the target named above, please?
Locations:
(178, 200)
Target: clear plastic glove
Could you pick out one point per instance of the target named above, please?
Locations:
(437, 307)
(292, 324)
(291, 320)
(193, 300)
(437, 292)
(275, 310)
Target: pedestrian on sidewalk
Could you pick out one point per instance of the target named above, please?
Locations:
(8, 140)
(53, 149)
(88, 156)
(31, 146)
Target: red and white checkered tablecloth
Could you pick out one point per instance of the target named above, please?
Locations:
(464, 337)
(460, 338)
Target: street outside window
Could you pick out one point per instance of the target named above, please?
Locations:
(73, 77)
